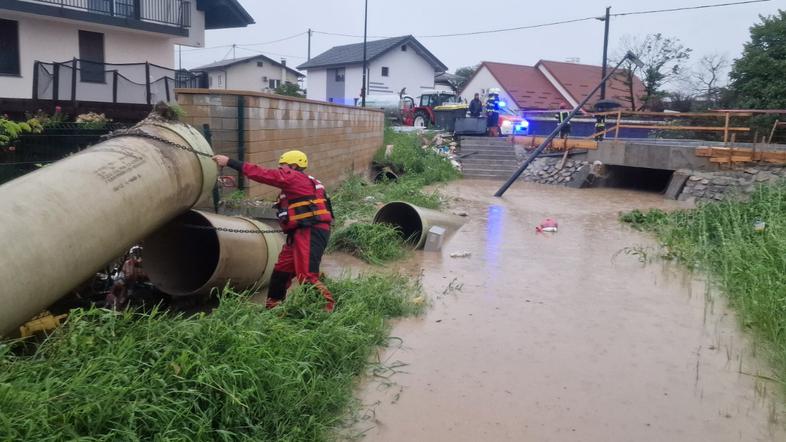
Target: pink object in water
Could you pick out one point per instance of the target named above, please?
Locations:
(548, 225)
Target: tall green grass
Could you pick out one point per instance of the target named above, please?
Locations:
(239, 373)
(750, 267)
(356, 200)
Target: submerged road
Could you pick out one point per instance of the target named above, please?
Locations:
(566, 336)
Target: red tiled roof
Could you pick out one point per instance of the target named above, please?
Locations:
(526, 86)
(579, 79)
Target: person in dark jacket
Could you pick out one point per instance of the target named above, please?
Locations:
(475, 107)
(305, 215)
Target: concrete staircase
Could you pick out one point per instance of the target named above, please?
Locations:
(495, 158)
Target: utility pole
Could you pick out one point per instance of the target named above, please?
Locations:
(365, 67)
(309, 43)
(605, 52)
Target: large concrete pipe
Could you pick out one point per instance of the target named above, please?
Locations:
(414, 222)
(195, 253)
(61, 224)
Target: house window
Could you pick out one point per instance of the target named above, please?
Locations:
(340, 75)
(260, 64)
(274, 84)
(91, 57)
(220, 80)
(403, 48)
(385, 71)
(9, 47)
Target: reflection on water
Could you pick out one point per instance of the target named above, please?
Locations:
(495, 234)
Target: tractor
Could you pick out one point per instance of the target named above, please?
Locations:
(422, 115)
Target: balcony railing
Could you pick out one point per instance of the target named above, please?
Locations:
(166, 12)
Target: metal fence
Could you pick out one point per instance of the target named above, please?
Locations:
(134, 83)
(167, 12)
(33, 151)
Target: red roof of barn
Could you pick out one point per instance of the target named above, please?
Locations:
(531, 89)
(525, 85)
(580, 79)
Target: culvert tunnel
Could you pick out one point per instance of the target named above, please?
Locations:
(633, 178)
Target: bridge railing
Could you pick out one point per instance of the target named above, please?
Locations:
(724, 126)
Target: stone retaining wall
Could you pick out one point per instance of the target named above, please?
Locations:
(716, 186)
(547, 171)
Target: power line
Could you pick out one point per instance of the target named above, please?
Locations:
(271, 53)
(338, 34)
(517, 28)
(276, 41)
(687, 8)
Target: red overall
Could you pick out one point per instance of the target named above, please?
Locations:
(305, 217)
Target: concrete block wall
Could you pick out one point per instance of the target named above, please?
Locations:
(337, 139)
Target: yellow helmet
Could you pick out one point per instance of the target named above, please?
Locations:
(294, 157)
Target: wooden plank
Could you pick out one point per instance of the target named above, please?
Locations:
(665, 114)
(568, 143)
(686, 128)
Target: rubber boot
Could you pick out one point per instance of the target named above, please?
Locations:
(327, 295)
(277, 290)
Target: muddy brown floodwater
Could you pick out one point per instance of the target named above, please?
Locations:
(564, 337)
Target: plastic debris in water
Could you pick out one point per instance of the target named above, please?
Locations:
(548, 225)
(461, 254)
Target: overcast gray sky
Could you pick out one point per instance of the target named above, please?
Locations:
(721, 30)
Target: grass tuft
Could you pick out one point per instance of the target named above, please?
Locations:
(240, 373)
(373, 243)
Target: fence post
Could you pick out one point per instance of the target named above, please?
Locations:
(73, 83)
(617, 127)
(56, 86)
(166, 86)
(147, 80)
(216, 190)
(114, 86)
(726, 129)
(241, 139)
(35, 81)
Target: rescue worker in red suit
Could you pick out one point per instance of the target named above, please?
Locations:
(304, 214)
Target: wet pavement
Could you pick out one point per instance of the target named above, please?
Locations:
(566, 336)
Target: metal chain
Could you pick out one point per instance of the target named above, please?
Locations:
(141, 134)
(226, 229)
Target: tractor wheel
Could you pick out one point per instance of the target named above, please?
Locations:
(421, 120)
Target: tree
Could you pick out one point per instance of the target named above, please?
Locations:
(663, 59)
(757, 77)
(709, 76)
(289, 89)
(465, 73)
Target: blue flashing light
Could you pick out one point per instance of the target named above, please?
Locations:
(502, 104)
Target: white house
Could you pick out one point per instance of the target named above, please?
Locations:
(255, 73)
(393, 65)
(122, 50)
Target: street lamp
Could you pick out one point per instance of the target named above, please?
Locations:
(630, 56)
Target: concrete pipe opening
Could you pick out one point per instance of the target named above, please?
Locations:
(414, 222)
(188, 256)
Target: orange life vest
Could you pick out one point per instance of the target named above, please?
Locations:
(304, 211)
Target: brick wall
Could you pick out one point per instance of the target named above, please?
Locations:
(337, 139)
